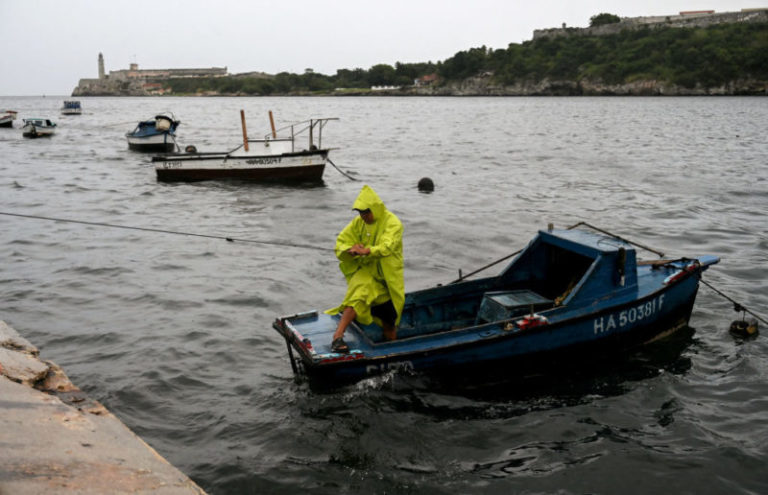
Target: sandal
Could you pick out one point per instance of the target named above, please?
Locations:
(338, 345)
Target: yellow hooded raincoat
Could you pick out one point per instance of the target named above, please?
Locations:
(378, 277)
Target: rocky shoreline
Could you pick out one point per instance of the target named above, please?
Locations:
(484, 86)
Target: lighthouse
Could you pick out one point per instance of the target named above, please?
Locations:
(101, 66)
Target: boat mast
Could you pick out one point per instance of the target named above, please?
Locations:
(272, 123)
(245, 133)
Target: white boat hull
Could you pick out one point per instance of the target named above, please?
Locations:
(32, 131)
(297, 166)
(159, 142)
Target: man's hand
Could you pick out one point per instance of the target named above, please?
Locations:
(359, 250)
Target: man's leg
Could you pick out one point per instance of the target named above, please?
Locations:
(387, 314)
(347, 316)
(389, 330)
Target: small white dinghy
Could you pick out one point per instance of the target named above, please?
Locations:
(38, 127)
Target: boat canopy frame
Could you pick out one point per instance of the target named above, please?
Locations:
(303, 126)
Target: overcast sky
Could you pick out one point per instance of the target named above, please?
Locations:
(46, 46)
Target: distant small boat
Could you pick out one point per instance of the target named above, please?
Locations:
(272, 158)
(158, 134)
(71, 107)
(35, 127)
(7, 117)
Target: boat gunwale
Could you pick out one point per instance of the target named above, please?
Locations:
(227, 155)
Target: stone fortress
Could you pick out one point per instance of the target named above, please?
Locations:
(694, 18)
(137, 82)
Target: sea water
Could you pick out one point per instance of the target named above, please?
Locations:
(173, 333)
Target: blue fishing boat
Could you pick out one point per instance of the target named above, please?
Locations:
(71, 107)
(568, 293)
(158, 134)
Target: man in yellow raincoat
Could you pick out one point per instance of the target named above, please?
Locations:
(370, 253)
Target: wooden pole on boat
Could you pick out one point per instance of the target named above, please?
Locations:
(272, 123)
(245, 133)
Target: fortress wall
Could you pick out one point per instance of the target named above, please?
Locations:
(679, 21)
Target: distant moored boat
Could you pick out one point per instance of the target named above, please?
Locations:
(71, 107)
(37, 127)
(273, 158)
(158, 134)
(7, 117)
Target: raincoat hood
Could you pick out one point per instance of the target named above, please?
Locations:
(369, 200)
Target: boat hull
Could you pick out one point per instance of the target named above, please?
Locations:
(36, 132)
(71, 111)
(612, 330)
(306, 166)
(163, 143)
(7, 118)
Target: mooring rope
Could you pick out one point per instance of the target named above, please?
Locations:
(164, 231)
(341, 171)
(736, 306)
(462, 277)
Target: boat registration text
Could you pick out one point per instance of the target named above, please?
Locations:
(376, 369)
(629, 316)
(264, 161)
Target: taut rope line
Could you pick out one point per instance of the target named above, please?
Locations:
(163, 231)
(736, 306)
(341, 171)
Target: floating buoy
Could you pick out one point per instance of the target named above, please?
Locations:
(740, 328)
(426, 185)
(190, 148)
(743, 328)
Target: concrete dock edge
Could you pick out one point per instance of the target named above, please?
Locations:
(54, 439)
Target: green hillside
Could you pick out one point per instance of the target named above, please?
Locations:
(686, 57)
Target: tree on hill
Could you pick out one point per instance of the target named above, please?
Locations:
(603, 19)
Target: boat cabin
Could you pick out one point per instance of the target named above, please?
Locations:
(160, 124)
(39, 122)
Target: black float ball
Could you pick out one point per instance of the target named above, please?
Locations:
(742, 328)
(426, 185)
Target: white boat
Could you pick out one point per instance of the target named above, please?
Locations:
(158, 134)
(36, 127)
(272, 158)
(71, 107)
(7, 117)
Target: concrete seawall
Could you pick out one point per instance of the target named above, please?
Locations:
(54, 439)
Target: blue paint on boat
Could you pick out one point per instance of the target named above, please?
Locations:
(158, 134)
(569, 292)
